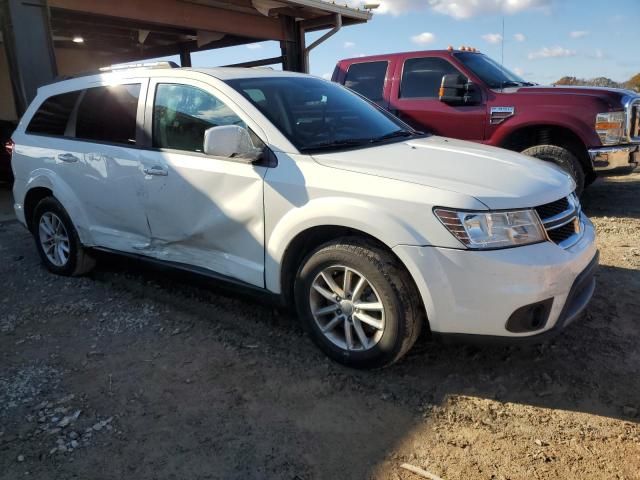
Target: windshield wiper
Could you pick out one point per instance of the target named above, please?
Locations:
(388, 136)
(348, 142)
(352, 142)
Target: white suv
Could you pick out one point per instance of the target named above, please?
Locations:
(301, 188)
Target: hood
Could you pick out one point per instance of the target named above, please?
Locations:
(499, 178)
(614, 97)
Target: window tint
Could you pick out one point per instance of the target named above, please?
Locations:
(52, 116)
(108, 114)
(367, 79)
(422, 77)
(182, 113)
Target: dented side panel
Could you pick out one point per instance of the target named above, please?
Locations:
(206, 212)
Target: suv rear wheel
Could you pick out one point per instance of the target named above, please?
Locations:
(57, 240)
(563, 158)
(358, 304)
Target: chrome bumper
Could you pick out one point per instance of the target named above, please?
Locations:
(615, 157)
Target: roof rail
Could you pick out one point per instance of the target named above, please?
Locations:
(114, 68)
(127, 66)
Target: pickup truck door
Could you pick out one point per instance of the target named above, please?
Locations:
(414, 98)
(203, 211)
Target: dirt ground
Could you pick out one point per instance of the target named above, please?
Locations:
(140, 373)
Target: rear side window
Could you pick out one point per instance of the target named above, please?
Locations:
(53, 115)
(367, 79)
(422, 77)
(108, 114)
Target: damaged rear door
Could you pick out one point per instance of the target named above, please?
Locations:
(202, 211)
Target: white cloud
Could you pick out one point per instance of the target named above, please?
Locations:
(424, 38)
(518, 71)
(349, 44)
(327, 76)
(519, 37)
(457, 8)
(254, 46)
(598, 54)
(578, 34)
(551, 52)
(492, 38)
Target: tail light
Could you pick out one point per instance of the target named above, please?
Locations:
(9, 146)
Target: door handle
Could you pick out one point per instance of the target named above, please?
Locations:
(67, 157)
(156, 170)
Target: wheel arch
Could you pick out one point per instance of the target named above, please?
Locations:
(45, 183)
(311, 238)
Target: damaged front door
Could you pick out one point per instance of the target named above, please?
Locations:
(202, 210)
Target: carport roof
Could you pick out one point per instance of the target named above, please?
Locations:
(155, 28)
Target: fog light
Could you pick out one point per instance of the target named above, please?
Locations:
(530, 318)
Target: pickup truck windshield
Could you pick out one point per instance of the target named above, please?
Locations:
(490, 71)
(316, 115)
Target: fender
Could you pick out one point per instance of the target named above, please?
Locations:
(575, 124)
(331, 211)
(43, 177)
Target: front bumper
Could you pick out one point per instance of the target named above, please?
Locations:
(616, 157)
(476, 292)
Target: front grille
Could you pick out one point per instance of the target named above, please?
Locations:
(560, 234)
(551, 209)
(561, 220)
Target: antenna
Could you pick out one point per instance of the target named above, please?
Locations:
(502, 54)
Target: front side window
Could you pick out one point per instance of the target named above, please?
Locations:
(367, 79)
(182, 113)
(108, 114)
(422, 77)
(53, 115)
(316, 114)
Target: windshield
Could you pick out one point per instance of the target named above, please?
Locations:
(318, 115)
(490, 71)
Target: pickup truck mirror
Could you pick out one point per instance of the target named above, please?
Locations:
(230, 141)
(457, 90)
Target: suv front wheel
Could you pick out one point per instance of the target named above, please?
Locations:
(57, 240)
(358, 304)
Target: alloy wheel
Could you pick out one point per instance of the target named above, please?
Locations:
(54, 239)
(347, 308)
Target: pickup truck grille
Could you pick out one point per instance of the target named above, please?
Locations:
(635, 121)
(561, 220)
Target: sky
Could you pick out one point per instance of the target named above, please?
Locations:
(544, 40)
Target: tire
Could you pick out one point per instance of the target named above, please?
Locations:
(564, 159)
(50, 216)
(397, 325)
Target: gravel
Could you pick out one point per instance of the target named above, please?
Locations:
(140, 372)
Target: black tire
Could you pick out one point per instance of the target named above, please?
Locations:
(564, 159)
(79, 260)
(403, 310)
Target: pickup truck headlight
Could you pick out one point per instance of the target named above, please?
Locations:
(488, 230)
(610, 127)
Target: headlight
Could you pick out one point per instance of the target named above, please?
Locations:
(610, 127)
(484, 230)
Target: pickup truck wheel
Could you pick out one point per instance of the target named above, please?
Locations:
(563, 158)
(57, 240)
(358, 304)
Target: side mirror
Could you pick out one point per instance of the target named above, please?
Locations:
(457, 90)
(230, 141)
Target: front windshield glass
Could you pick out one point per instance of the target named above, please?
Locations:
(318, 115)
(490, 71)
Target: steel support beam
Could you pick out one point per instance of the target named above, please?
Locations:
(27, 37)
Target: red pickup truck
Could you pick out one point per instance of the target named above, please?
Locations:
(465, 94)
